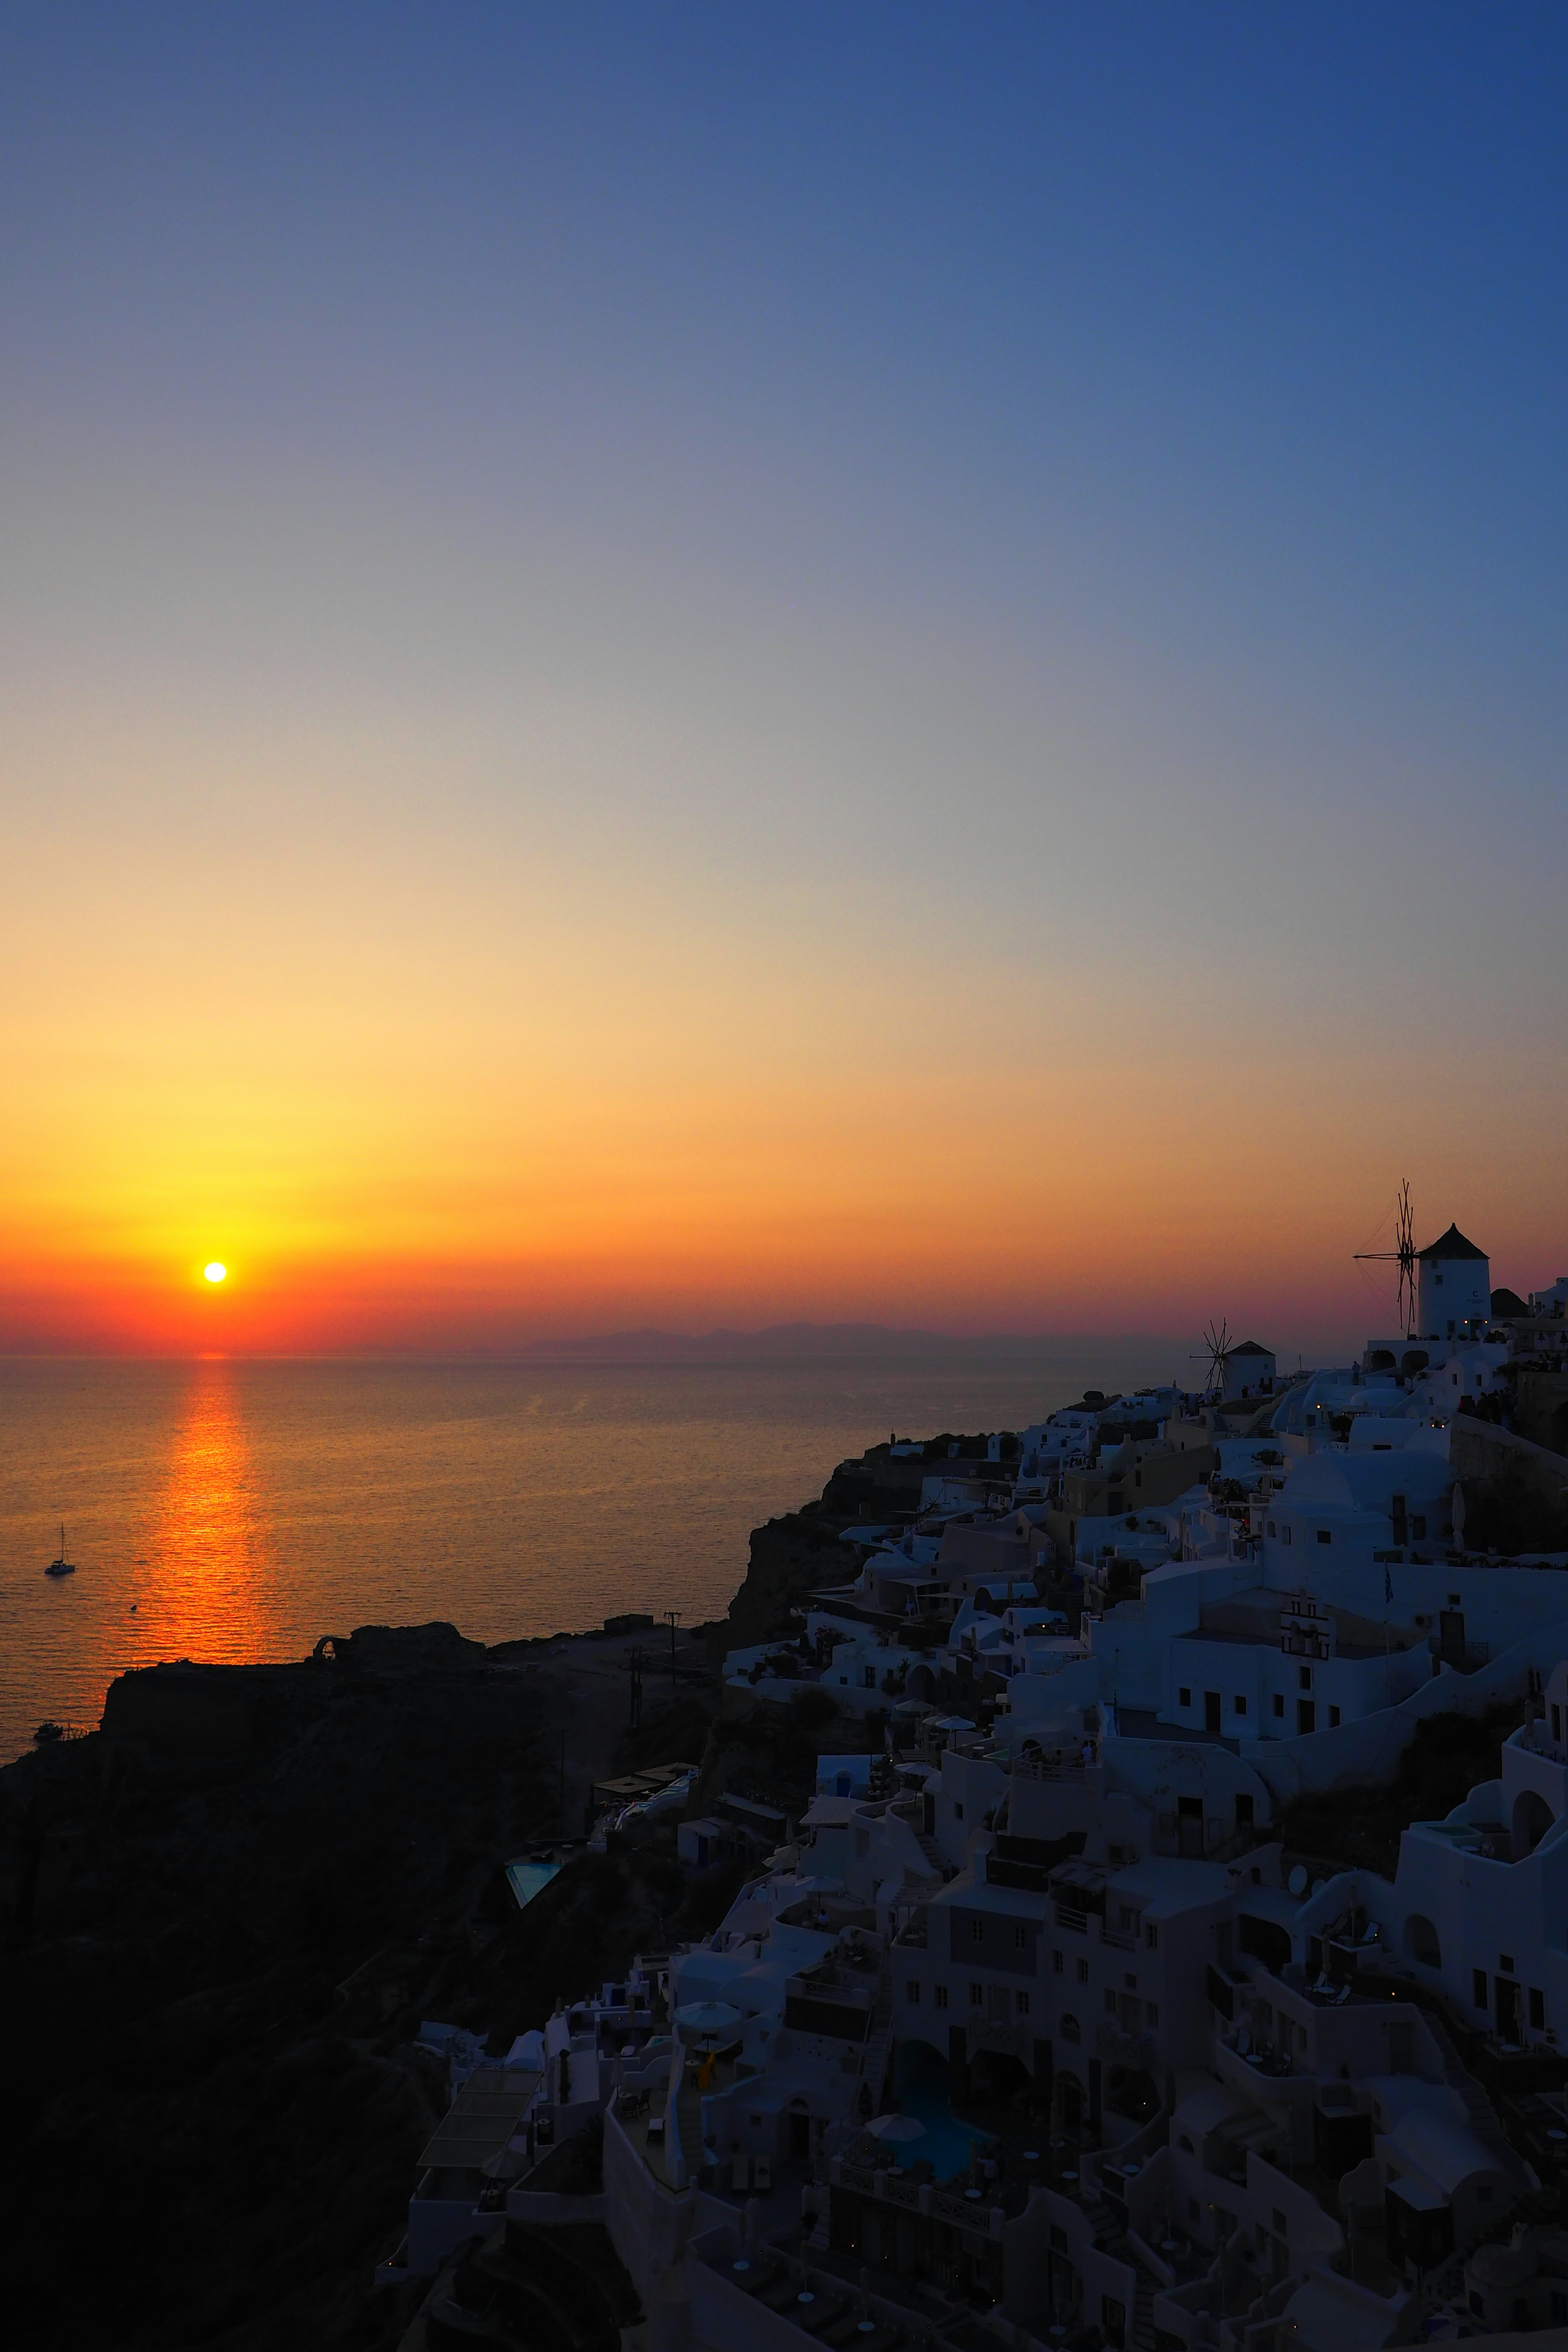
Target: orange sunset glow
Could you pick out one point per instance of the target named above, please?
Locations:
(513, 833)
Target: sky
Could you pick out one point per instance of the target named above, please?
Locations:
(698, 665)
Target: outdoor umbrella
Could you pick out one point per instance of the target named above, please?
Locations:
(896, 2128)
(704, 2021)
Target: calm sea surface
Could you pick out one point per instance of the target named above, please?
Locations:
(227, 1510)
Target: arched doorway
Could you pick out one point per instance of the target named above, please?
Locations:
(1421, 1942)
(1532, 1817)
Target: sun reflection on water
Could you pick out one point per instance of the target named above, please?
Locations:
(211, 1560)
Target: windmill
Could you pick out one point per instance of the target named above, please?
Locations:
(1216, 1348)
(1403, 1255)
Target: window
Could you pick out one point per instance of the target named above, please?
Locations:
(1021, 2003)
(977, 1931)
(1278, 1703)
(957, 1811)
(1020, 1940)
(940, 1996)
(1285, 1535)
(1110, 1999)
(1239, 1704)
(1071, 2030)
(1278, 2220)
(1505, 1963)
(1152, 2011)
(1418, 1528)
(1537, 2009)
(1152, 1936)
(912, 1993)
(1271, 1527)
(1479, 1986)
(1083, 1971)
(1333, 1718)
(1126, 1918)
(1304, 1676)
(1183, 1698)
(1055, 1964)
(976, 1996)
(1131, 1982)
(1323, 1536)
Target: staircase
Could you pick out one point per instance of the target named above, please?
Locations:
(691, 2153)
(877, 2049)
(1141, 2331)
(1479, 2108)
(874, 2065)
(1112, 2239)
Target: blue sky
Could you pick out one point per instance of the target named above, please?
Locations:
(1040, 523)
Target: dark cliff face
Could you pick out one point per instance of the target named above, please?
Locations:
(795, 1555)
(214, 2115)
(790, 1558)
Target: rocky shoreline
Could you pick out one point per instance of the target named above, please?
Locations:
(225, 1913)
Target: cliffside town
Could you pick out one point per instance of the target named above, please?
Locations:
(1106, 1882)
(1166, 1942)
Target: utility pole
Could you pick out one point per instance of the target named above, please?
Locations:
(674, 1617)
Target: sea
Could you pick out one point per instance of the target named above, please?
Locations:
(238, 1510)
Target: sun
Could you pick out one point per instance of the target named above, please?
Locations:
(215, 1273)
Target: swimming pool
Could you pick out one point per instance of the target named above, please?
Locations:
(528, 1879)
(948, 2146)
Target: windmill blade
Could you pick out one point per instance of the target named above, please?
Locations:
(1403, 1255)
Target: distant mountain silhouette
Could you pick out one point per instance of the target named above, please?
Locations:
(827, 1339)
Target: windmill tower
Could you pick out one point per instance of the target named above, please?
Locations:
(1403, 1255)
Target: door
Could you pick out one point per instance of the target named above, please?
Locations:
(1306, 1715)
(1210, 1711)
(1508, 2010)
(1189, 1828)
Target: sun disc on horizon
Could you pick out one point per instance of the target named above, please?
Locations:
(215, 1271)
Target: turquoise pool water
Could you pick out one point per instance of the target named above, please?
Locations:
(948, 2146)
(528, 1879)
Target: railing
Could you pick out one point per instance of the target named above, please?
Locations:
(1122, 2048)
(1061, 1765)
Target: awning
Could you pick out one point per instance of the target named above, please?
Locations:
(485, 2114)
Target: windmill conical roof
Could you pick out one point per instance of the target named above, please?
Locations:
(1450, 1245)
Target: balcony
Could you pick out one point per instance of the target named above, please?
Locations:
(1117, 2047)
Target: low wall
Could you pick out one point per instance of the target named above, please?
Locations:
(547, 2211)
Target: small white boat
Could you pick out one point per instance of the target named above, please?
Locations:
(61, 1566)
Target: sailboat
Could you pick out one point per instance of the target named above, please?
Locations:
(61, 1566)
